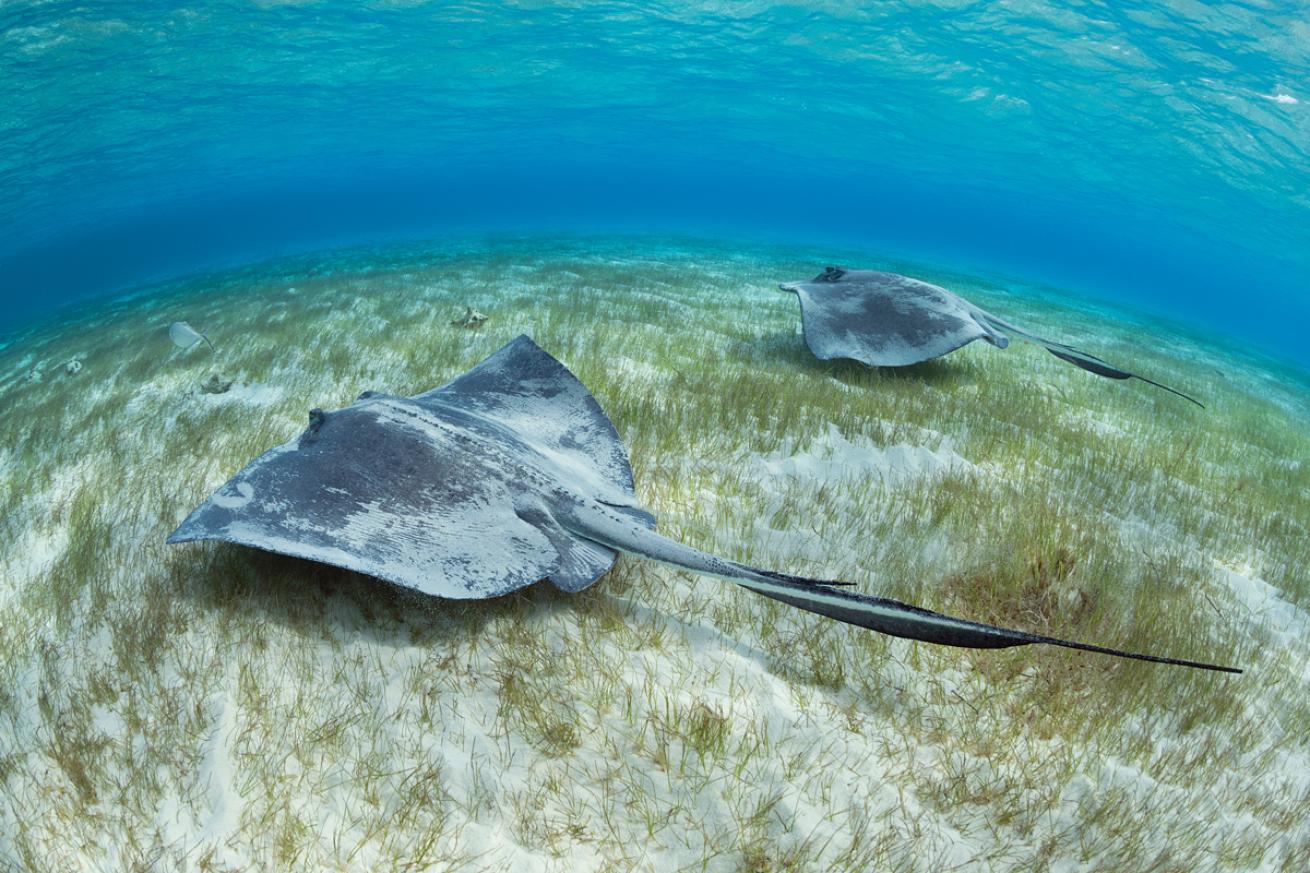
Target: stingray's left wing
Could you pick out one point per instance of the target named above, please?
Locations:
(367, 489)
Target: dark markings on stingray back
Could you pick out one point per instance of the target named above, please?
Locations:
(886, 317)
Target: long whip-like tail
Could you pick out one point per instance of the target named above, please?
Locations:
(1077, 357)
(825, 598)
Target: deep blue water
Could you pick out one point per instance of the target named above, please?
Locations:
(1154, 153)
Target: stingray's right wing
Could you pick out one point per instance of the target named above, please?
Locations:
(537, 398)
(1077, 357)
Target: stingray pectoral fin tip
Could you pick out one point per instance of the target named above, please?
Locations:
(183, 535)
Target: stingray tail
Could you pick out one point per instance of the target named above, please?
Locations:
(208, 343)
(1077, 357)
(824, 598)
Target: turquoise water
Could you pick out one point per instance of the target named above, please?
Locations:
(1147, 153)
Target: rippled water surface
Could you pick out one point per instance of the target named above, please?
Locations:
(1149, 152)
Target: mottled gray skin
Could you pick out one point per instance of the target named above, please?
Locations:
(505, 476)
(889, 320)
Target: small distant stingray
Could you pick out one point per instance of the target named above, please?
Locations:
(890, 320)
(184, 336)
(509, 474)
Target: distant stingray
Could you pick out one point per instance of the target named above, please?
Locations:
(509, 474)
(184, 336)
(889, 320)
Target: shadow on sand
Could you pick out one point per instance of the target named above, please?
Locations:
(318, 601)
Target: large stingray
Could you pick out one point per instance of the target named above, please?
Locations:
(890, 320)
(509, 474)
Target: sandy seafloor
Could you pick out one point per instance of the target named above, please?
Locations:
(210, 707)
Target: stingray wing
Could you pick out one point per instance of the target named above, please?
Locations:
(527, 391)
(359, 491)
(884, 319)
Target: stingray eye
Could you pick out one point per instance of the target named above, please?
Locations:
(830, 274)
(366, 395)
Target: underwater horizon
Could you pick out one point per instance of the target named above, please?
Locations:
(1150, 155)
